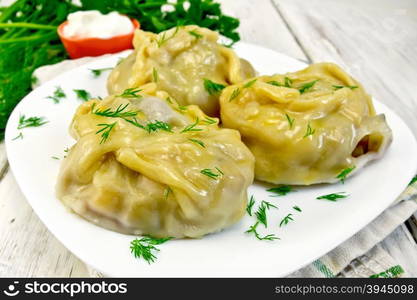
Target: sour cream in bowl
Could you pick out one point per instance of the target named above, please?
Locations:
(91, 33)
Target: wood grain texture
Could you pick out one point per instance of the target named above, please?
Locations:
(376, 41)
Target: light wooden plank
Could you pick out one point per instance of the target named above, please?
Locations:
(27, 248)
(261, 24)
(375, 40)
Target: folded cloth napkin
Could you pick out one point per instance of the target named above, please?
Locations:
(359, 256)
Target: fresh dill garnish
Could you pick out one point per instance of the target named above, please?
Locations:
(235, 93)
(250, 205)
(413, 180)
(97, 72)
(249, 83)
(163, 38)
(269, 237)
(297, 208)
(210, 173)
(309, 131)
(307, 86)
(286, 220)
(274, 82)
(151, 126)
(158, 125)
(82, 94)
(342, 175)
(338, 87)
(131, 93)
(209, 121)
(198, 142)
(333, 197)
(118, 113)
(155, 75)
(218, 170)
(290, 120)
(20, 136)
(268, 204)
(280, 190)
(169, 100)
(58, 95)
(145, 247)
(191, 127)
(105, 131)
(287, 82)
(182, 107)
(30, 122)
(213, 88)
(261, 212)
(167, 191)
(54, 157)
(195, 34)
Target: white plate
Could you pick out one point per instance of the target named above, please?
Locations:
(321, 226)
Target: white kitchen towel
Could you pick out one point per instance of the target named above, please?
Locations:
(360, 256)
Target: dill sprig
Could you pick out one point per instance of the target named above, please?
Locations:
(211, 174)
(158, 125)
(249, 83)
(213, 88)
(286, 220)
(167, 191)
(261, 212)
(344, 173)
(250, 205)
(145, 247)
(309, 131)
(268, 204)
(280, 190)
(82, 94)
(338, 87)
(198, 142)
(30, 122)
(269, 237)
(195, 34)
(97, 72)
(290, 120)
(287, 82)
(234, 95)
(105, 131)
(191, 127)
(209, 121)
(131, 93)
(297, 208)
(413, 180)
(307, 86)
(20, 136)
(118, 113)
(333, 197)
(155, 75)
(58, 95)
(163, 38)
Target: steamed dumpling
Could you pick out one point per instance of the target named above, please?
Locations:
(163, 170)
(178, 61)
(306, 127)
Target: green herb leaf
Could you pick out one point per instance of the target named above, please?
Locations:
(290, 120)
(198, 142)
(333, 197)
(213, 88)
(306, 87)
(98, 72)
(209, 121)
(234, 95)
(413, 180)
(269, 237)
(297, 208)
(20, 136)
(338, 87)
(250, 205)
(82, 94)
(210, 173)
(309, 131)
(58, 95)
(249, 83)
(105, 131)
(345, 172)
(287, 82)
(118, 113)
(286, 220)
(195, 34)
(155, 76)
(30, 122)
(280, 190)
(191, 127)
(131, 93)
(145, 247)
